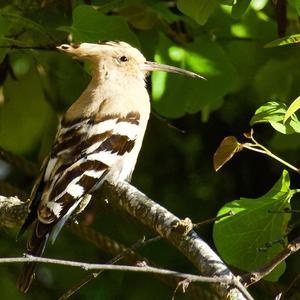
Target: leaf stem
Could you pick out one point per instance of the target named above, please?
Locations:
(267, 152)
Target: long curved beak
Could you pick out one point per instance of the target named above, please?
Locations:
(149, 66)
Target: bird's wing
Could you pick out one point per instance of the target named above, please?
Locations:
(35, 198)
(84, 152)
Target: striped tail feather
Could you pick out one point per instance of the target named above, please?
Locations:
(35, 247)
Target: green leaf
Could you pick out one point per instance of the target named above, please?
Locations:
(297, 6)
(4, 28)
(90, 25)
(25, 112)
(165, 13)
(292, 109)
(293, 9)
(274, 113)
(239, 8)
(226, 2)
(258, 4)
(277, 79)
(288, 40)
(54, 81)
(174, 95)
(199, 10)
(228, 147)
(237, 51)
(256, 222)
(19, 22)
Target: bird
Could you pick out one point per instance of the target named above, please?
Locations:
(98, 138)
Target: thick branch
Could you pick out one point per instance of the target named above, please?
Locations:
(12, 211)
(168, 226)
(160, 220)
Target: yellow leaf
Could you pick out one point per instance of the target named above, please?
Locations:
(292, 109)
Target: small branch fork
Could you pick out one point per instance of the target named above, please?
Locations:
(160, 220)
(165, 223)
(257, 147)
(178, 232)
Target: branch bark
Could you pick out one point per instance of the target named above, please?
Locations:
(131, 256)
(255, 276)
(103, 267)
(12, 211)
(27, 167)
(168, 226)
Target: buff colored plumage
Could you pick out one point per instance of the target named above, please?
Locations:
(99, 138)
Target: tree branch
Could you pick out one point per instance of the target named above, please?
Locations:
(168, 226)
(159, 219)
(22, 164)
(12, 211)
(103, 267)
(130, 255)
(257, 275)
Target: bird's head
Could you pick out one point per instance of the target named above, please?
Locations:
(119, 57)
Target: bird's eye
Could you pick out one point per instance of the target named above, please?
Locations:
(123, 58)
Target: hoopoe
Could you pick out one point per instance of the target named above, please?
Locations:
(99, 138)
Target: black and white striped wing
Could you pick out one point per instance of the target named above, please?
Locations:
(84, 153)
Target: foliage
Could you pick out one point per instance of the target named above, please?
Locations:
(276, 114)
(234, 44)
(247, 236)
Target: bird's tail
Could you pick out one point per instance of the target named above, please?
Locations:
(35, 247)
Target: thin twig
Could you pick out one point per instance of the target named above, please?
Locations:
(110, 267)
(264, 150)
(114, 248)
(10, 191)
(167, 122)
(253, 277)
(291, 284)
(162, 221)
(19, 162)
(211, 220)
(35, 47)
(114, 260)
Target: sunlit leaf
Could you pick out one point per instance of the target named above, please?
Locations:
(228, 147)
(292, 109)
(256, 222)
(239, 8)
(199, 10)
(259, 4)
(174, 95)
(274, 113)
(226, 2)
(288, 40)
